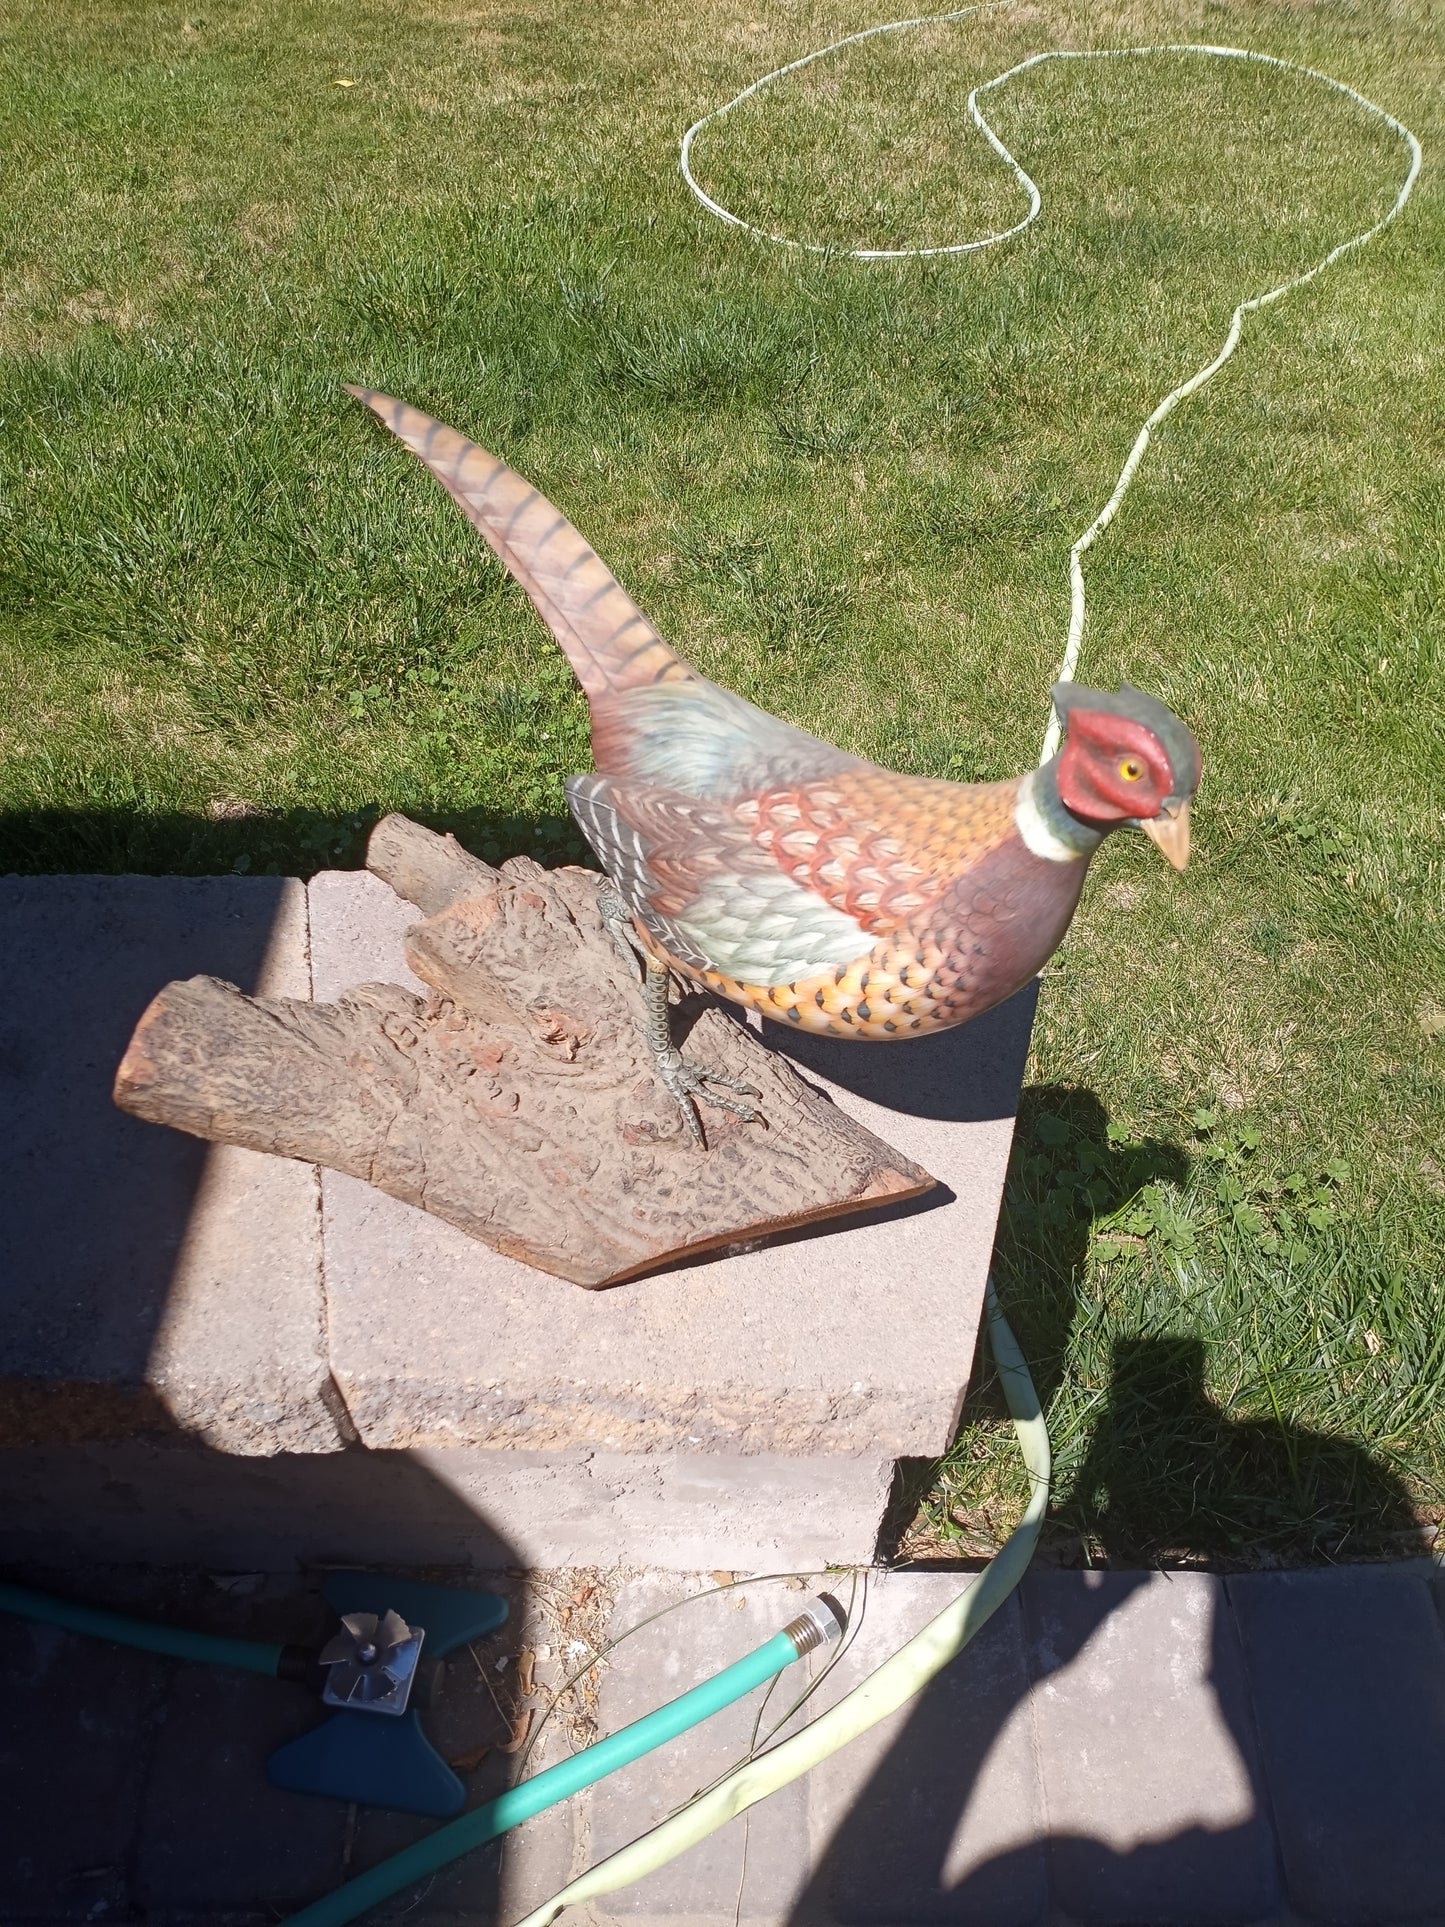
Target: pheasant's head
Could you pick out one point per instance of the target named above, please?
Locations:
(1127, 759)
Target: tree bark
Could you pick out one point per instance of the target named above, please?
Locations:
(516, 1099)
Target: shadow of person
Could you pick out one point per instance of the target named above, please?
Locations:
(901, 1852)
(1169, 1476)
(1167, 1473)
(1069, 1167)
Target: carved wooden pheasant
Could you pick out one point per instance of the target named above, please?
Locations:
(753, 858)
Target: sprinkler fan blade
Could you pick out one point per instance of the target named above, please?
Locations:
(369, 1658)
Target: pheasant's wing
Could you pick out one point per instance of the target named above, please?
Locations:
(704, 741)
(692, 873)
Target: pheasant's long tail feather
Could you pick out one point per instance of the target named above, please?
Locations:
(608, 641)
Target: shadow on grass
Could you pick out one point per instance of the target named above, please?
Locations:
(1064, 1172)
(1170, 1477)
(1067, 1171)
(130, 840)
(1167, 1477)
(1164, 1475)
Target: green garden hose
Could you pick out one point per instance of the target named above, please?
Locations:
(916, 1664)
(895, 1682)
(810, 1629)
(249, 1655)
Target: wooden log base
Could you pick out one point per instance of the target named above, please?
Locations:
(516, 1099)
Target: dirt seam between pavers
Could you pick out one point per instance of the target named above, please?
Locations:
(331, 1393)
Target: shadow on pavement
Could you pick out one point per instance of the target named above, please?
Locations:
(134, 1786)
(968, 1075)
(1167, 1469)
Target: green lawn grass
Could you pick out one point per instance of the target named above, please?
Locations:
(236, 623)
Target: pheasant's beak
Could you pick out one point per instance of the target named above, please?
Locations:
(1170, 830)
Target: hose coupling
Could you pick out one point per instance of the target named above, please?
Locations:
(822, 1623)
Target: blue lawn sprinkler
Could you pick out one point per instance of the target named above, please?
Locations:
(372, 1748)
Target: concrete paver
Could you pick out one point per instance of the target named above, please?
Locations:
(936, 1814)
(151, 1284)
(1146, 1743)
(1088, 1759)
(1347, 1670)
(753, 1869)
(741, 1412)
(175, 1503)
(215, 1836)
(1113, 1748)
(851, 1346)
(574, 1419)
(856, 1343)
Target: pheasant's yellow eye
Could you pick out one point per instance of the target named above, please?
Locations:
(1130, 770)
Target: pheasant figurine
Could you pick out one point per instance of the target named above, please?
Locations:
(751, 858)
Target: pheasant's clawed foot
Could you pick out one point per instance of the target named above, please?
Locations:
(691, 1085)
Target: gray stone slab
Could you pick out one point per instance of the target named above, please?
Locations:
(239, 1354)
(76, 1722)
(1148, 1757)
(177, 1503)
(857, 1341)
(358, 929)
(1347, 1670)
(151, 1283)
(935, 1814)
(681, 1510)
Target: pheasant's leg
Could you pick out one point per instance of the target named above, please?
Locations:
(617, 922)
(688, 1082)
(685, 1080)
